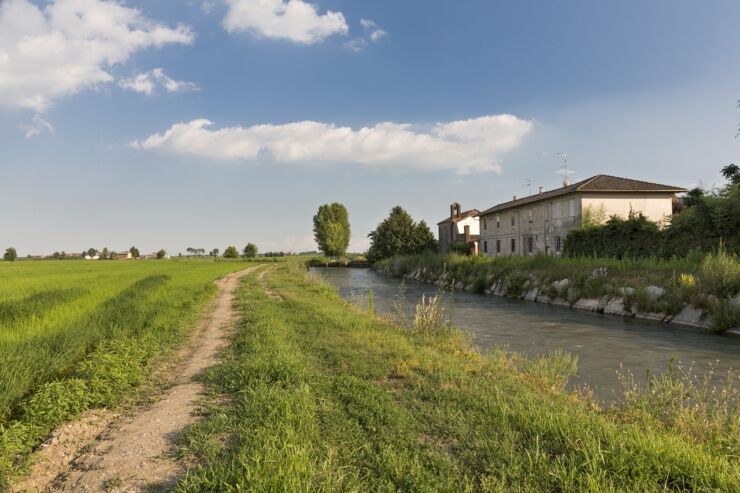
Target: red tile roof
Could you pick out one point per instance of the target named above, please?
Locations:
(598, 183)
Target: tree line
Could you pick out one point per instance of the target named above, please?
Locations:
(398, 234)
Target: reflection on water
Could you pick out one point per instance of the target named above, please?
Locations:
(601, 343)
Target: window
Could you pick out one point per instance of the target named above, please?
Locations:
(557, 210)
(484, 224)
(531, 216)
(513, 245)
(547, 213)
(498, 221)
(485, 247)
(512, 219)
(572, 207)
(498, 246)
(530, 244)
(557, 243)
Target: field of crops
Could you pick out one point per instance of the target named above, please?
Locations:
(77, 334)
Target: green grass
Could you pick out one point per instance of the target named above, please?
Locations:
(76, 335)
(314, 395)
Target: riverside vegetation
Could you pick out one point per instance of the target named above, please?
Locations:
(76, 335)
(315, 395)
(707, 286)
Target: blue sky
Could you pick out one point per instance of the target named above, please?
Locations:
(372, 104)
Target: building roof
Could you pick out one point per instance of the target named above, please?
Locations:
(463, 215)
(598, 183)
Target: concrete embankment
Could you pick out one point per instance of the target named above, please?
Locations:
(622, 302)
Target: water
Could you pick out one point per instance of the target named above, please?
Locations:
(601, 343)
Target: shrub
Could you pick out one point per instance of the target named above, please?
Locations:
(725, 315)
(720, 273)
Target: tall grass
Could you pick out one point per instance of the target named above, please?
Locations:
(77, 334)
(315, 395)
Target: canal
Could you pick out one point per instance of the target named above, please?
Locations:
(602, 344)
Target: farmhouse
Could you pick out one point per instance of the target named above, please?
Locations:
(123, 255)
(539, 223)
(458, 227)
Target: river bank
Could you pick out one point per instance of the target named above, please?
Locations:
(702, 294)
(323, 396)
(605, 346)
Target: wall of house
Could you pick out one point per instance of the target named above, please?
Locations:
(657, 207)
(473, 222)
(552, 220)
(451, 232)
(542, 222)
(445, 236)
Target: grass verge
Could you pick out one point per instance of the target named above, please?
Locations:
(314, 395)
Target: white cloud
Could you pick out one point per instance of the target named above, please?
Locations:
(462, 146)
(294, 20)
(37, 126)
(69, 46)
(372, 34)
(147, 82)
(375, 32)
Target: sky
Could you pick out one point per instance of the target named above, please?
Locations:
(207, 123)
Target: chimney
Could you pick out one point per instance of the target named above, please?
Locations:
(541, 190)
(467, 233)
(566, 181)
(514, 197)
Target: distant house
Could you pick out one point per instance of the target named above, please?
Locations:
(93, 257)
(459, 226)
(539, 223)
(123, 255)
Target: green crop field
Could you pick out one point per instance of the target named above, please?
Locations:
(77, 334)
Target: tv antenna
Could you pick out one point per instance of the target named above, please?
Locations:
(529, 184)
(564, 168)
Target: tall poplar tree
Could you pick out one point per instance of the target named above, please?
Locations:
(331, 229)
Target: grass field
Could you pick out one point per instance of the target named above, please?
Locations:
(76, 335)
(314, 395)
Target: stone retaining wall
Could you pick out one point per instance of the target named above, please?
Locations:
(613, 306)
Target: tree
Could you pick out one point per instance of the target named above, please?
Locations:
(91, 252)
(399, 235)
(231, 252)
(10, 254)
(331, 229)
(693, 197)
(731, 172)
(423, 239)
(106, 252)
(161, 253)
(190, 250)
(250, 251)
(134, 252)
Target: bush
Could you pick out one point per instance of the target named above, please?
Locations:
(720, 273)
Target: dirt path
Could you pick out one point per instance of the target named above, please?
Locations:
(132, 452)
(272, 294)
